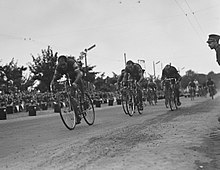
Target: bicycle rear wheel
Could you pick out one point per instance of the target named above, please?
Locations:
(87, 108)
(67, 112)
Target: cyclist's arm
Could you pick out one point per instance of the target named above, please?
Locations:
(78, 76)
(56, 77)
(120, 79)
(141, 77)
(125, 77)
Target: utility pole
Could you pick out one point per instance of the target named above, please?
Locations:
(125, 58)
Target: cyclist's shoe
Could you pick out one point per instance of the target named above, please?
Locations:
(178, 103)
(86, 105)
(78, 119)
(141, 107)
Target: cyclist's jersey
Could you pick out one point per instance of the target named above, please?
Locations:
(72, 66)
(192, 84)
(170, 73)
(218, 54)
(152, 85)
(135, 73)
(210, 83)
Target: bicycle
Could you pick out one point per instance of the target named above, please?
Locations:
(71, 102)
(192, 92)
(151, 96)
(170, 94)
(131, 100)
(211, 91)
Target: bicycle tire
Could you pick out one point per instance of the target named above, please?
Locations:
(171, 101)
(124, 102)
(87, 108)
(130, 104)
(67, 113)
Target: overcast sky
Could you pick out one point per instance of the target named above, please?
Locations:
(169, 31)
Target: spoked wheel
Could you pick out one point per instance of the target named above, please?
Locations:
(124, 99)
(88, 111)
(172, 102)
(67, 112)
(130, 104)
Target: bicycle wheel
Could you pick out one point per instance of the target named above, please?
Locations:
(87, 108)
(140, 110)
(130, 104)
(171, 101)
(67, 112)
(124, 101)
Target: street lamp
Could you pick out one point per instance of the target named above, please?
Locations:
(154, 67)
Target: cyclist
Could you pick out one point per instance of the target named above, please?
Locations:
(213, 43)
(134, 71)
(192, 86)
(152, 85)
(211, 85)
(69, 67)
(170, 71)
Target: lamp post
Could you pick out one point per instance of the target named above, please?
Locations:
(154, 67)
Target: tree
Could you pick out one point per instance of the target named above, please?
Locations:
(43, 68)
(12, 76)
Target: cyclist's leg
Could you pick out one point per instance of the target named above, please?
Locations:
(166, 96)
(81, 88)
(177, 93)
(140, 98)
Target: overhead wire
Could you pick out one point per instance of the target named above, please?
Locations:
(193, 13)
(188, 19)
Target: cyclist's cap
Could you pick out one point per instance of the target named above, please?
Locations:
(129, 62)
(213, 37)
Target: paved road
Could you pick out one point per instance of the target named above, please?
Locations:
(114, 140)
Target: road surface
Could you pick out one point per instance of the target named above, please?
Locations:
(185, 139)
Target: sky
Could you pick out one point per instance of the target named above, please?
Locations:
(157, 32)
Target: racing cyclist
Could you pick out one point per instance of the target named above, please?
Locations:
(68, 66)
(135, 72)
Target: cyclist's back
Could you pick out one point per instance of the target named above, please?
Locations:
(135, 72)
(170, 72)
(192, 84)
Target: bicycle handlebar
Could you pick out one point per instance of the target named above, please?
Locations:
(169, 79)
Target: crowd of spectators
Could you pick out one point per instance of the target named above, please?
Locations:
(21, 100)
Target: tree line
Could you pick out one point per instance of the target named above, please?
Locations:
(42, 68)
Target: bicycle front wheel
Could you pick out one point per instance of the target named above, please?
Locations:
(172, 101)
(88, 110)
(130, 104)
(67, 112)
(124, 99)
